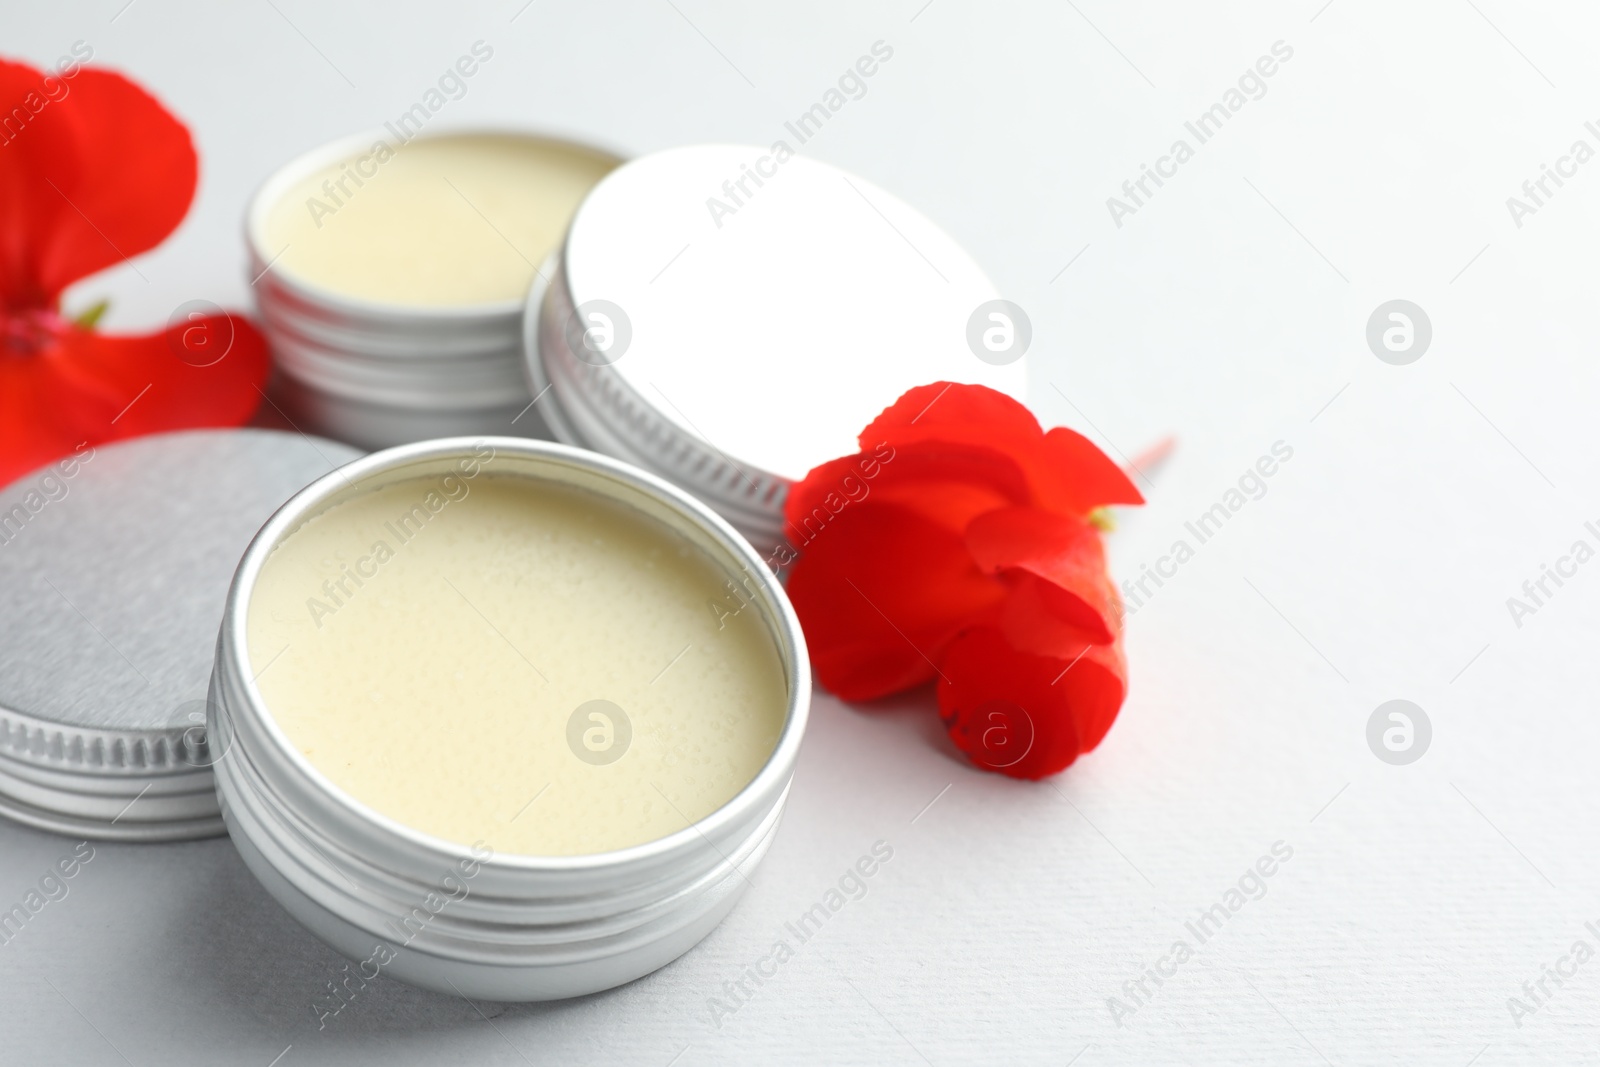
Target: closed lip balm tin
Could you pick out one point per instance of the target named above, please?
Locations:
(532, 927)
(114, 568)
(730, 332)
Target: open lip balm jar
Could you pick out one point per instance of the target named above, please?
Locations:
(391, 277)
(504, 718)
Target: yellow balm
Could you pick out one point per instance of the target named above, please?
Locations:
(517, 662)
(439, 221)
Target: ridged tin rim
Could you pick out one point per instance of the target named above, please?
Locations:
(464, 385)
(97, 750)
(459, 384)
(488, 339)
(108, 784)
(132, 831)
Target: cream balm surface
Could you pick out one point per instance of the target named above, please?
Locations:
(499, 659)
(439, 221)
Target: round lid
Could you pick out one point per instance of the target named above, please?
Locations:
(115, 564)
(768, 305)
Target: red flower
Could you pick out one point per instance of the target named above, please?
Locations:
(958, 545)
(94, 170)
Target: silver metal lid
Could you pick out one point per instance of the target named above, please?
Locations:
(114, 566)
(729, 319)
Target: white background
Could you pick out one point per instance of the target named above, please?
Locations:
(1229, 311)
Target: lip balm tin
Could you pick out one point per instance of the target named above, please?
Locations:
(532, 927)
(114, 566)
(729, 319)
(376, 373)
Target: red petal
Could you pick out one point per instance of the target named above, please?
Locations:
(29, 207)
(1023, 715)
(94, 387)
(1039, 618)
(879, 592)
(825, 490)
(1086, 477)
(1067, 556)
(946, 484)
(102, 173)
(1064, 469)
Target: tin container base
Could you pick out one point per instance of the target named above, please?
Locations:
(375, 425)
(134, 830)
(81, 799)
(485, 981)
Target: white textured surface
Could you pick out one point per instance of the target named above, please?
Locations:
(1418, 899)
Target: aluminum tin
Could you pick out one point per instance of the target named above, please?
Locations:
(708, 328)
(114, 587)
(532, 928)
(376, 425)
(590, 407)
(379, 374)
(375, 399)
